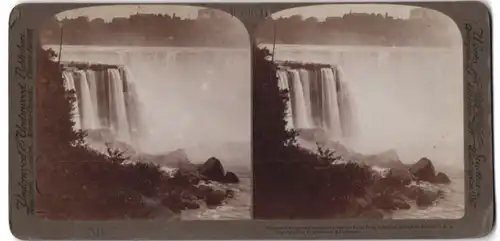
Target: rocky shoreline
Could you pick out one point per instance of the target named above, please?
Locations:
(202, 185)
(399, 188)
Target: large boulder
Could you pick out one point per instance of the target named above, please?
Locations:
(212, 169)
(401, 175)
(231, 178)
(178, 200)
(423, 170)
(390, 201)
(215, 197)
(183, 178)
(442, 178)
(428, 197)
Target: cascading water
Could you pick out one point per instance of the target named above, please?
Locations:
(388, 90)
(306, 87)
(346, 112)
(69, 84)
(171, 101)
(87, 107)
(319, 98)
(302, 119)
(105, 100)
(330, 103)
(119, 112)
(92, 87)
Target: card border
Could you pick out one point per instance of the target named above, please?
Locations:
(478, 220)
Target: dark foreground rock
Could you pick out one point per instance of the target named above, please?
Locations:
(231, 178)
(442, 178)
(400, 175)
(423, 170)
(212, 169)
(186, 189)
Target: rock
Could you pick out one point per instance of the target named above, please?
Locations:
(384, 202)
(215, 198)
(229, 193)
(201, 191)
(184, 179)
(387, 183)
(401, 175)
(401, 204)
(391, 200)
(192, 205)
(411, 192)
(212, 169)
(423, 170)
(442, 178)
(427, 198)
(231, 178)
(180, 199)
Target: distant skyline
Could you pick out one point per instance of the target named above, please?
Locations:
(108, 12)
(321, 12)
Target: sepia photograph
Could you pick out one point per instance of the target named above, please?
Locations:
(143, 112)
(358, 113)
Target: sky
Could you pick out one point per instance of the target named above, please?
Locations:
(321, 12)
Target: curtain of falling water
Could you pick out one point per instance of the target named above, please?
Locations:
(69, 84)
(91, 79)
(302, 119)
(304, 78)
(331, 117)
(346, 106)
(121, 125)
(88, 114)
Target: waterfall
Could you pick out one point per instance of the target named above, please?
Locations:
(306, 87)
(69, 84)
(87, 110)
(118, 109)
(92, 86)
(331, 120)
(319, 98)
(301, 117)
(283, 85)
(346, 107)
(106, 99)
